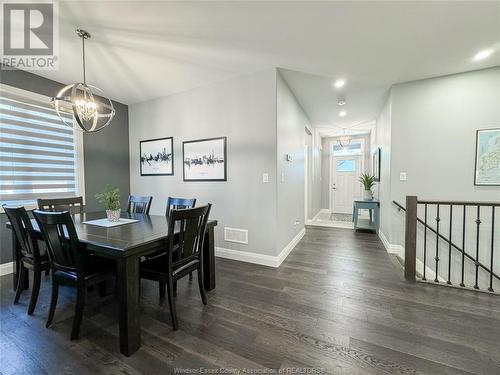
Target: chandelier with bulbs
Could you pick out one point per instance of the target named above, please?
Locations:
(86, 104)
(344, 140)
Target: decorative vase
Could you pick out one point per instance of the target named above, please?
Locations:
(367, 195)
(113, 215)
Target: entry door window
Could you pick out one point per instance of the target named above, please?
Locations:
(346, 165)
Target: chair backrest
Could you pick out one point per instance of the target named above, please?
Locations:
(60, 235)
(74, 205)
(138, 204)
(191, 224)
(179, 203)
(23, 230)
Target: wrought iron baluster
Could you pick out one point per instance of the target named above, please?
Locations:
(449, 247)
(463, 247)
(425, 240)
(478, 223)
(437, 244)
(492, 246)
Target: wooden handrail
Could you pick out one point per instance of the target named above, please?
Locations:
(461, 203)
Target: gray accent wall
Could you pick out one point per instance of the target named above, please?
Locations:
(243, 109)
(106, 153)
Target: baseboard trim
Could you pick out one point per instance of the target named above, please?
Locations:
(400, 252)
(291, 245)
(6, 268)
(262, 259)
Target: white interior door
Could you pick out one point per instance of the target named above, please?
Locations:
(345, 185)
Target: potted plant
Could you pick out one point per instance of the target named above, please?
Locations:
(368, 181)
(110, 198)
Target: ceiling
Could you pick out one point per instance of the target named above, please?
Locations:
(143, 50)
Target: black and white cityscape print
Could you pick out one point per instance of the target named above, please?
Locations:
(157, 157)
(205, 159)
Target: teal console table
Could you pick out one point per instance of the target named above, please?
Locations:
(373, 222)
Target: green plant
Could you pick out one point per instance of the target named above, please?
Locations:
(109, 197)
(367, 180)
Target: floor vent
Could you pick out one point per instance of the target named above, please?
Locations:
(236, 235)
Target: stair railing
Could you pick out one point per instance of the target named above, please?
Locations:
(412, 220)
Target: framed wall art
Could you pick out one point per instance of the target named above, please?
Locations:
(487, 165)
(205, 159)
(157, 157)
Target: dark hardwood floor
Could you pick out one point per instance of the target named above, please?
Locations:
(338, 303)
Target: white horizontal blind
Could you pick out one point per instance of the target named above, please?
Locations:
(38, 154)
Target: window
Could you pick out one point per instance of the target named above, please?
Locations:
(346, 165)
(39, 156)
(354, 148)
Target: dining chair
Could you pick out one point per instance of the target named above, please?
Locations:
(29, 255)
(179, 203)
(183, 256)
(139, 204)
(74, 204)
(70, 263)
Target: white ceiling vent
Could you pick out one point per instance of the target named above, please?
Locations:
(236, 235)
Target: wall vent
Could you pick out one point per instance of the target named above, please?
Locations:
(236, 235)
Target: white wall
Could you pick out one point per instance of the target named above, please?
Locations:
(427, 129)
(433, 130)
(290, 122)
(383, 190)
(244, 110)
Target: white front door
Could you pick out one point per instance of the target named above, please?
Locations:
(345, 185)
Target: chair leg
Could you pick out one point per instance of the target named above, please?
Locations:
(37, 276)
(175, 288)
(201, 286)
(20, 279)
(77, 320)
(162, 289)
(171, 303)
(53, 302)
(190, 276)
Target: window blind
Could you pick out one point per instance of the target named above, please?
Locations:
(38, 154)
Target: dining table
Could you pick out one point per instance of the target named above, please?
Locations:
(126, 244)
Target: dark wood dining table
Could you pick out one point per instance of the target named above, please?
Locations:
(126, 244)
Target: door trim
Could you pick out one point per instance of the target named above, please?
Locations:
(330, 157)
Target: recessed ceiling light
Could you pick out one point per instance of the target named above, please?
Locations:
(341, 101)
(342, 113)
(481, 55)
(339, 83)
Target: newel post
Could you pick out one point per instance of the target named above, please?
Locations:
(411, 238)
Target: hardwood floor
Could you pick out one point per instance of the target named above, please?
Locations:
(337, 303)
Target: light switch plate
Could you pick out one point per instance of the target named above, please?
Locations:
(402, 176)
(282, 176)
(265, 177)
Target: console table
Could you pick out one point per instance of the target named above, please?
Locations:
(373, 222)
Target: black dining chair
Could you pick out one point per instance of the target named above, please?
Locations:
(70, 262)
(29, 257)
(178, 204)
(74, 204)
(139, 204)
(183, 256)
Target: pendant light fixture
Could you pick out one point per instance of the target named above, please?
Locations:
(87, 104)
(344, 140)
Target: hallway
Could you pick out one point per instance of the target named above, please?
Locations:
(338, 302)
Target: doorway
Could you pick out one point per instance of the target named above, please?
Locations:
(346, 166)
